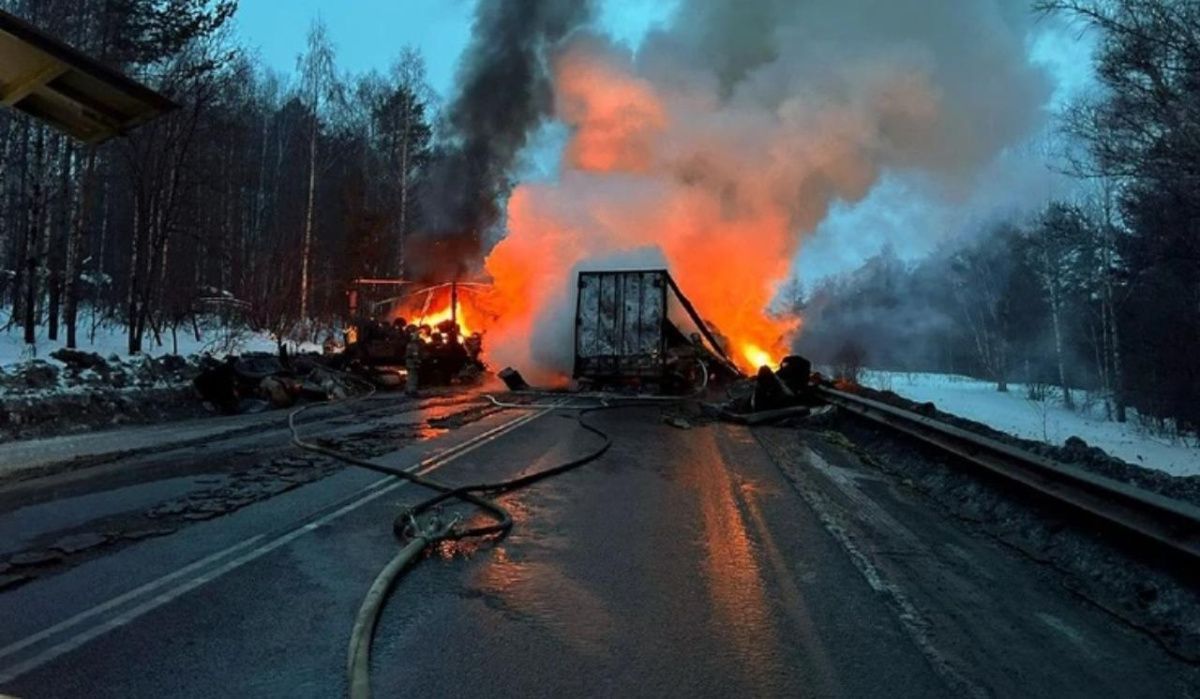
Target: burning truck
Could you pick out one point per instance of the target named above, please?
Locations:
(422, 331)
(636, 328)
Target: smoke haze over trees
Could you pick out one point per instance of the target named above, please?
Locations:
(504, 93)
(725, 138)
(1100, 292)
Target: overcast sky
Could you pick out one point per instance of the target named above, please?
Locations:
(369, 33)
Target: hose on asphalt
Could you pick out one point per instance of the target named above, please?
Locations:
(419, 535)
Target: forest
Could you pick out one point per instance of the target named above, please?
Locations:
(1097, 295)
(258, 199)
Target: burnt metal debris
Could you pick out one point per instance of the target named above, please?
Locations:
(773, 396)
(513, 379)
(258, 381)
(410, 351)
(441, 354)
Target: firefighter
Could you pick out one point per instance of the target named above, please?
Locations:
(412, 362)
(436, 360)
(474, 346)
(400, 337)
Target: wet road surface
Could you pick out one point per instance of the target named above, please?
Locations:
(711, 561)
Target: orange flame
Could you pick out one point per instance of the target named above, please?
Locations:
(435, 318)
(433, 308)
(725, 229)
(757, 357)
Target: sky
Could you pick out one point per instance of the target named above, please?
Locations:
(368, 34)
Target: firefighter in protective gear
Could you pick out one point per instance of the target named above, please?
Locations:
(412, 362)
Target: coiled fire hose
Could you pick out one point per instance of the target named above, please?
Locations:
(419, 535)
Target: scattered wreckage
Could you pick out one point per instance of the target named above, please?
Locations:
(257, 381)
(773, 396)
(636, 329)
(384, 356)
(381, 349)
(635, 332)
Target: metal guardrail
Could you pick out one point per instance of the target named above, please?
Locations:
(1172, 524)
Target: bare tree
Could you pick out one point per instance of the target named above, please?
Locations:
(319, 80)
(980, 281)
(1054, 244)
(412, 94)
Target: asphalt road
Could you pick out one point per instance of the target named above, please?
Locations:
(710, 561)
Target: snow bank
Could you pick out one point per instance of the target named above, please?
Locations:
(1046, 421)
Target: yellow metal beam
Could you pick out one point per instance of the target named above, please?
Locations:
(19, 90)
(48, 80)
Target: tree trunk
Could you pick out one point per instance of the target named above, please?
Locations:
(1056, 321)
(101, 255)
(135, 335)
(306, 250)
(7, 200)
(32, 249)
(20, 203)
(75, 248)
(1118, 374)
(54, 292)
(59, 239)
(407, 135)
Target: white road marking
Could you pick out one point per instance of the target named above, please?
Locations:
(380, 487)
(912, 620)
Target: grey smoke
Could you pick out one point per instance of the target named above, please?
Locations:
(765, 52)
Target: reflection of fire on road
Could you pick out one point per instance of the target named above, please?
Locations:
(730, 566)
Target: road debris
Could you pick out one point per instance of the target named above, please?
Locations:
(772, 397)
(242, 384)
(74, 543)
(678, 422)
(513, 379)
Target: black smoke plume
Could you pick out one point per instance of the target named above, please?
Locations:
(505, 92)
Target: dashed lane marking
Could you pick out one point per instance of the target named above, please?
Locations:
(373, 491)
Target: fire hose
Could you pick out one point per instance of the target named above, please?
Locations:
(418, 535)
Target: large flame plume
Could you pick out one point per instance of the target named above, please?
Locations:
(720, 169)
(723, 192)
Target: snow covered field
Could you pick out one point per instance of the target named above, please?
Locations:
(1046, 421)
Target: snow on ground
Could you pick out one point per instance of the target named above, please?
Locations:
(1046, 421)
(111, 339)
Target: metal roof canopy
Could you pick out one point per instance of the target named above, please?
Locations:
(45, 78)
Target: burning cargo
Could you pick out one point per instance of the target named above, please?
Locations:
(637, 327)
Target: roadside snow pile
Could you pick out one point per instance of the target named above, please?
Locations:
(81, 390)
(1045, 421)
(48, 389)
(73, 371)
